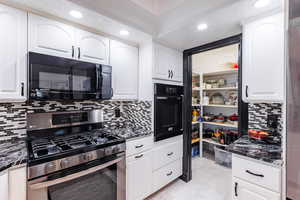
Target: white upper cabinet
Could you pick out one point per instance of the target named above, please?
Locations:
(263, 60)
(51, 37)
(91, 47)
(124, 60)
(177, 66)
(167, 63)
(13, 51)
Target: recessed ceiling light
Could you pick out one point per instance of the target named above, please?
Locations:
(76, 14)
(261, 3)
(202, 27)
(124, 32)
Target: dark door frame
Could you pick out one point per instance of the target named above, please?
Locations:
(187, 82)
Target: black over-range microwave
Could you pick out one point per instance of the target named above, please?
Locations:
(56, 78)
(168, 110)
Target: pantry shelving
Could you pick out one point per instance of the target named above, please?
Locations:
(203, 102)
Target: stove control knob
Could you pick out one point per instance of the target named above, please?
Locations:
(116, 149)
(108, 151)
(50, 167)
(64, 163)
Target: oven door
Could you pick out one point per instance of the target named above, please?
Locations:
(55, 78)
(168, 116)
(93, 181)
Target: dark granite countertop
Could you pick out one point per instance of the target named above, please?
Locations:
(270, 153)
(12, 153)
(130, 134)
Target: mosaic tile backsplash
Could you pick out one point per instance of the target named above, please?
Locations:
(13, 115)
(258, 115)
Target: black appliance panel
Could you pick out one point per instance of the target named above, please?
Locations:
(55, 78)
(168, 111)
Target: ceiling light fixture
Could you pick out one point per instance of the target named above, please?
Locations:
(124, 32)
(76, 14)
(202, 27)
(261, 3)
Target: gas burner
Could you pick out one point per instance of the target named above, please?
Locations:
(51, 146)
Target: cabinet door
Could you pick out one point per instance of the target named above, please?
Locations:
(91, 47)
(263, 60)
(51, 37)
(13, 51)
(243, 190)
(177, 66)
(162, 65)
(17, 183)
(4, 185)
(124, 60)
(139, 176)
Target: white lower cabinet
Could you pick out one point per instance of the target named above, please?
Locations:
(13, 184)
(151, 166)
(242, 190)
(17, 183)
(166, 174)
(139, 176)
(4, 185)
(253, 180)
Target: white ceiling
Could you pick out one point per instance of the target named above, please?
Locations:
(174, 22)
(170, 22)
(158, 7)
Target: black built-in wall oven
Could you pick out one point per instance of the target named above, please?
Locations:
(168, 104)
(56, 78)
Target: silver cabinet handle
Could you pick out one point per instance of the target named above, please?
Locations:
(139, 146)
(247, 91)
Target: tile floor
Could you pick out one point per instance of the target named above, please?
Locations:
(210, 182)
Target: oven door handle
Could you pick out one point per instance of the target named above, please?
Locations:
(34, 185)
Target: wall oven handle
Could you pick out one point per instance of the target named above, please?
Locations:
(162, 98)
(44, 183)
(182, 125)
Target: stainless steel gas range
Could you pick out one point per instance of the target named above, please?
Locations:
(72, 157)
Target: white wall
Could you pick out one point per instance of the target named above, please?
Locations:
(215, 60)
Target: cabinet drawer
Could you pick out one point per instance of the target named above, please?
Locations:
(166, 174)
(167, 154)
(138, 145)
(257, 173)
